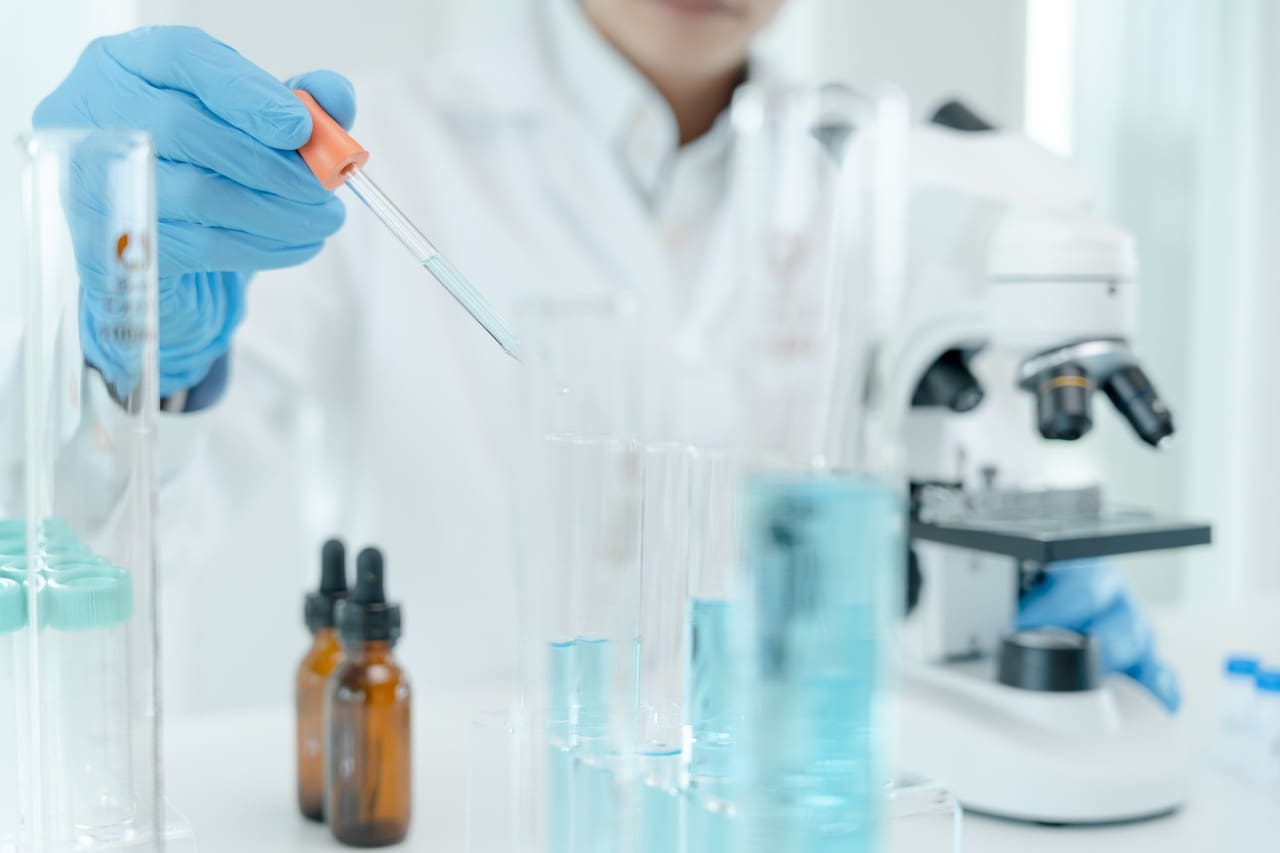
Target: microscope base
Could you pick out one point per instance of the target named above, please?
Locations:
(1097, 756)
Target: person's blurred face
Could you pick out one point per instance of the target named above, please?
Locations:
(683, 38)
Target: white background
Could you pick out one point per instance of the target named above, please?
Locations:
(1164, 101)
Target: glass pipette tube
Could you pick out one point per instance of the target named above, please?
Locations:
(337, 159)
(427, 255)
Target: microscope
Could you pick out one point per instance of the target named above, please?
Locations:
(1008, 257)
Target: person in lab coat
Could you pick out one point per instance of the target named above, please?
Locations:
(584, 152)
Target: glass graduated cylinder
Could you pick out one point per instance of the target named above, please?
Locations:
(819, 556)
(427, 255)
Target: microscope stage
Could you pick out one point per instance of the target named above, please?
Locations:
(1050, 540)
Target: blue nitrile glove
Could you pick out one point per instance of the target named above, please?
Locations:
(1092, 597)
(233, 196)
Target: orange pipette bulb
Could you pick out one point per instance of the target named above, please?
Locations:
(330, 151)
(336, 159)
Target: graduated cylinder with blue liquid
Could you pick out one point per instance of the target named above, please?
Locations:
(807, 671)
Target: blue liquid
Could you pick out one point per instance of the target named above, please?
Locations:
(592, 818)
(560, 692)
(710, 825)
(659, 820)
(821, 554)
(584, 802)
(592, 669)
(661, 826)
(595, 822)
(783, 753)
(559, 797)
(559, 753)
(709, 698)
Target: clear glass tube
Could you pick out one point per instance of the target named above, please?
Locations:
(666, 519)
(80, 475)
(715, 485)
(426, 254)
(88, 619)
(490, 814)
(666, 516)
(606, 584)
(13, 619)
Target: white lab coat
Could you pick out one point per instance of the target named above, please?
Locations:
(400, 411)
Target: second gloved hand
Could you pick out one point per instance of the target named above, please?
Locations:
(233, 196)
(1093, 598)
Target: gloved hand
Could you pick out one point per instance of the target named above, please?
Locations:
(233, 196)
(1093, 598)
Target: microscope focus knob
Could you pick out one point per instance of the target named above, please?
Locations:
(1050, 660)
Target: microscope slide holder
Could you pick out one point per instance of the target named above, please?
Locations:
(1050, 540)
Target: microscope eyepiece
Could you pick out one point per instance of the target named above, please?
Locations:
(1064, 408)
(1134, 397)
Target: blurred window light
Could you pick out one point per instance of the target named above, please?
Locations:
(1050, 72)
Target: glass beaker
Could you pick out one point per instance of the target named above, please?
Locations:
(81, 473)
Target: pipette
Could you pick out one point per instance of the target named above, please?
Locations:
(337, 159)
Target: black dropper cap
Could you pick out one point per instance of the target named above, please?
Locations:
(366, 617)
(319, 610)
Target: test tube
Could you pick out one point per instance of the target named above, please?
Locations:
(491, 806)
(715, 484)
(86, 648)
(713, 726)
(606, 589)
(13, 621)
(664, 585)
(552, 612)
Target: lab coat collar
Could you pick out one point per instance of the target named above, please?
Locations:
(614, 99)
(554, 57)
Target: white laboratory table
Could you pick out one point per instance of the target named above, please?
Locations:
(231, 774)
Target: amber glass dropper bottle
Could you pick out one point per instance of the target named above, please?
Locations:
(369, 756)
(313, 674)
